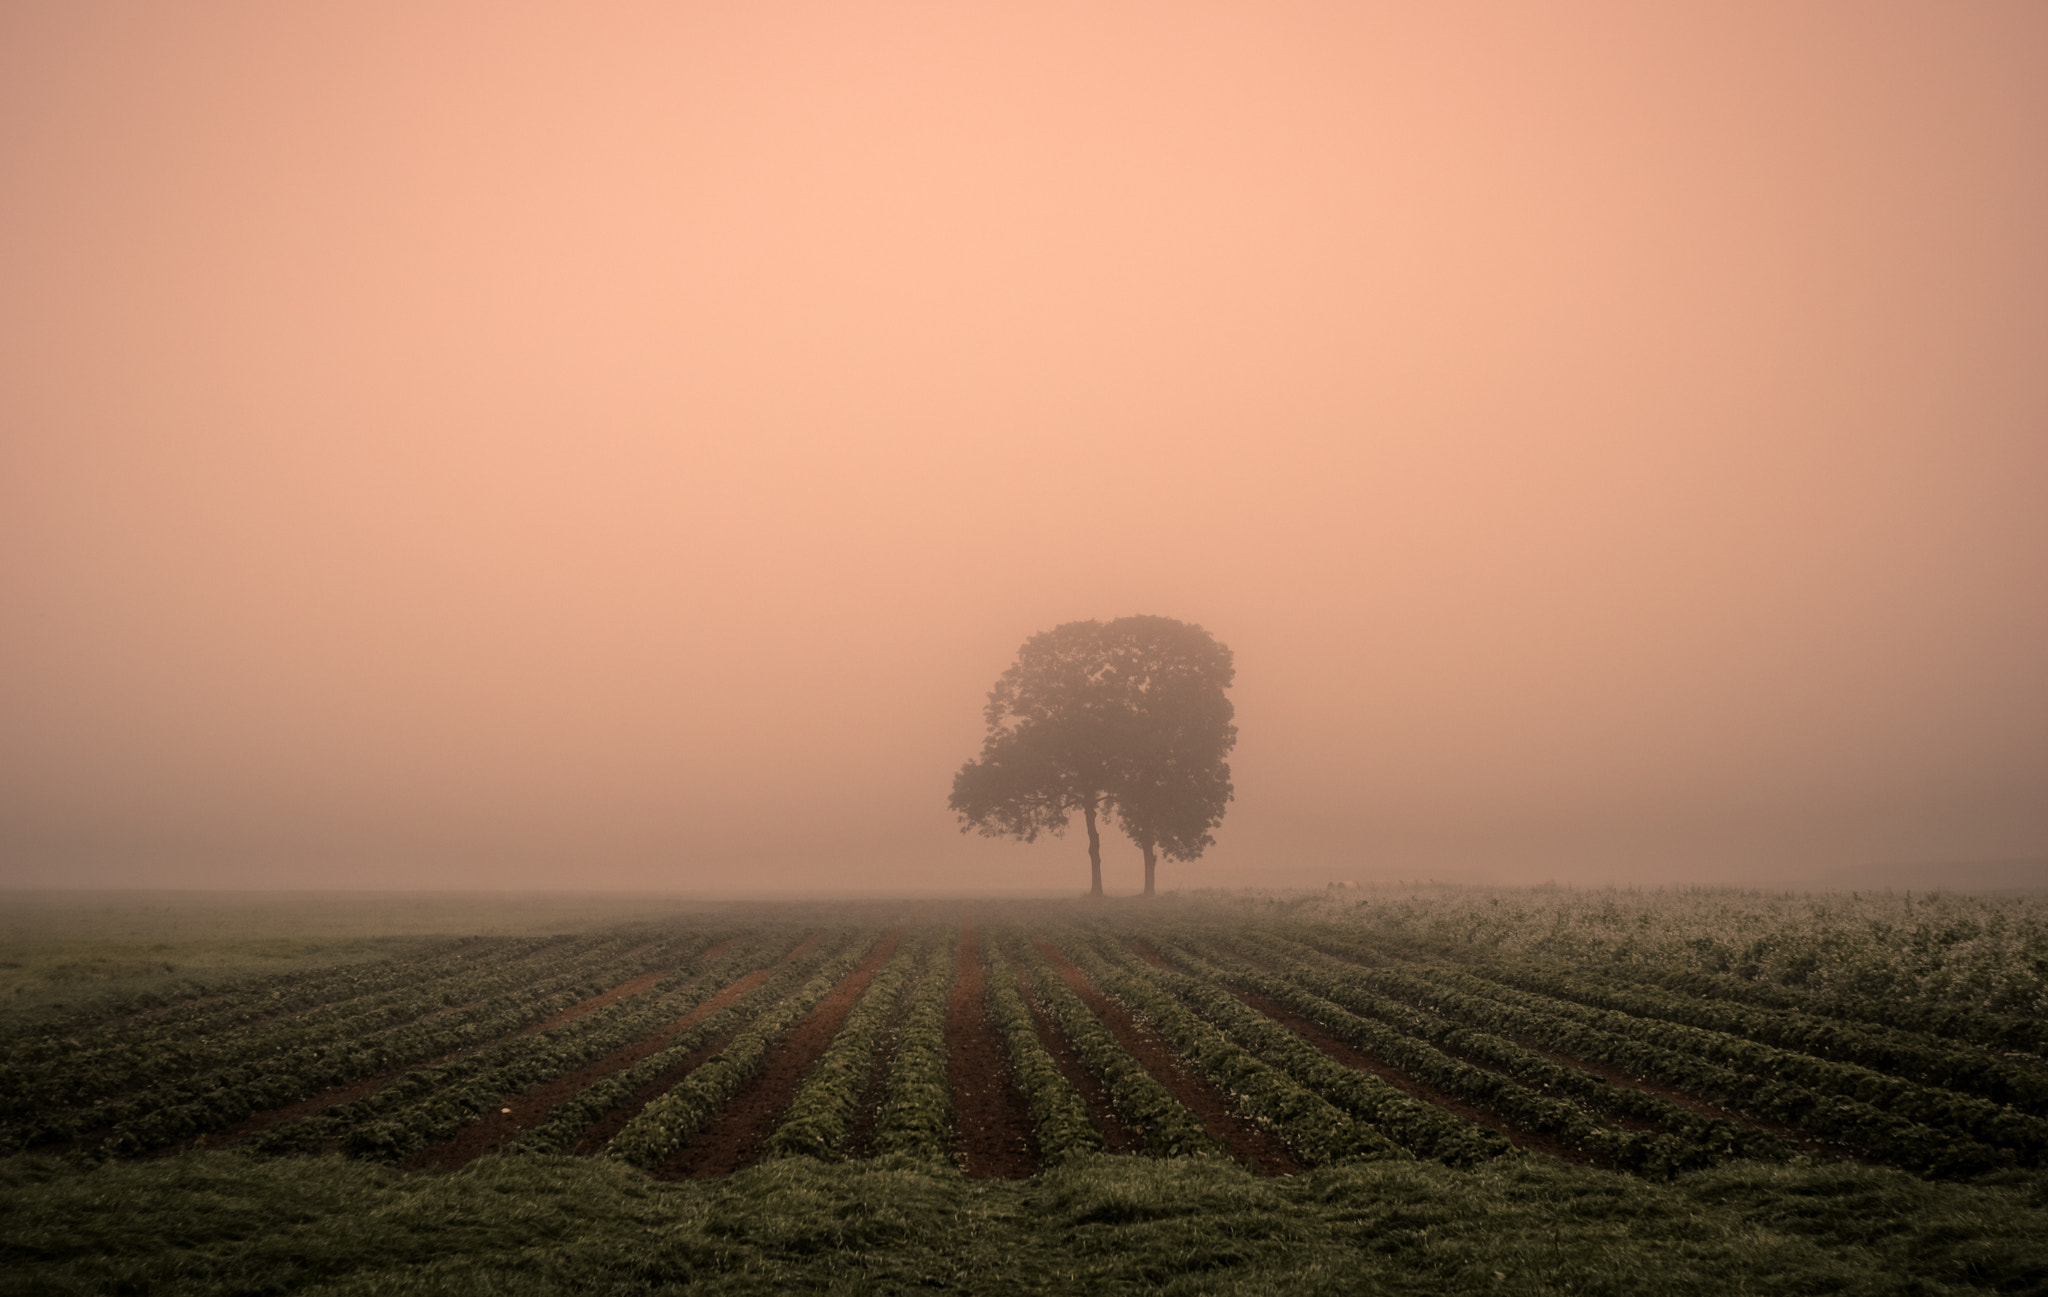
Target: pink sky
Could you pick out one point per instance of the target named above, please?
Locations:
(458, 445)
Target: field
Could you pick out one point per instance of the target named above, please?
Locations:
(1404, 1089)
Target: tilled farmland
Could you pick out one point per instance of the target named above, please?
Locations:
(1006, 1040)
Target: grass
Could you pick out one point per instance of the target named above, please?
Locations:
(222, 1223)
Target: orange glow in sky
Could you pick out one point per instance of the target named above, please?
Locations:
(619, 445)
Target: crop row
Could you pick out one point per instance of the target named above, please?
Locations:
(430, 1104)
(1895, 1098)
(1977, 1118)
(206, 1005)
(916, 1119)
(236, 1004)
(470, 1091)
(666, 1125)
(821, 1116)
(1059, 1115)
(1517, 1084)
(471, 1048)
(1914, 1056)
(1166, 1128)
(568, 1120)
(91, 1074)
(432, 1044)
(1930, 1017)
(1318, 1131)
(1638, 1045)
(1418, 1127)
(288, 1067)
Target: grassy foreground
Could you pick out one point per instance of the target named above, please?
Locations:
(223, 1223)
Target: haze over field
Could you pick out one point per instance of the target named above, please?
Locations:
(486, 445)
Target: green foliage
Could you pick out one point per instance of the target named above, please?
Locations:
(916, 1121)
(1315, 1129)
(1913, 1055)
(569, 1118)
(1645, 1047)
(288, 1064)
(822, 1114)
(1144, 1105)
(1422, 1128)
(1396, 1033)
(432, 1103)
(1059, 1116)
(328, 1044)
(665, 1126)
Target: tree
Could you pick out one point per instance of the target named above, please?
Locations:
(1126, 718)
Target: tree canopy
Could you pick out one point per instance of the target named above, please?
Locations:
(1126, 719)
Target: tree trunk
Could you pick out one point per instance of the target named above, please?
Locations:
(1151, 862)
(1094, 850)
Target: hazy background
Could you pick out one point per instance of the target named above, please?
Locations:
(485, 445)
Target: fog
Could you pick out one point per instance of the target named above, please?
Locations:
(618, 446)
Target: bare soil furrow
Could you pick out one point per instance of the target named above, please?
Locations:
(993, 1126)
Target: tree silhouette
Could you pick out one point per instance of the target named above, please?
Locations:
(1125, 718)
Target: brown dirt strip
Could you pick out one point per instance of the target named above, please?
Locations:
(735, 1136)
(1115, 1134)
(1248, 1143)
(613, 996)
(993, 1137)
